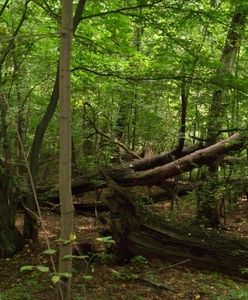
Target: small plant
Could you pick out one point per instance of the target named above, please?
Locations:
(244, 270)
(24, 290)
(236, 294)
(124, 276)
(107, 257)
(145, 200)
(107, 240)
(140, 259)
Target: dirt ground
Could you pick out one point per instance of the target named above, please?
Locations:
(102, 280)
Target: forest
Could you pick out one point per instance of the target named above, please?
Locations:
(123, 149)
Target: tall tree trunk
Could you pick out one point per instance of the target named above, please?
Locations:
(66, 204)
(30, 230)
(208, 193)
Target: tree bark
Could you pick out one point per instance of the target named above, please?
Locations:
(11, 240)
(66, 204)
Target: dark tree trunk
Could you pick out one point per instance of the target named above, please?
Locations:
(139, 232)
(11, 240)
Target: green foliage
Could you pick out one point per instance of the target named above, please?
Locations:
(129, 66)
(42, 269)
(107, 240)
(235, 294)
(145, 200)
(140, 259)
(16, 293)
(87, 277)
(56, 277)
(70, 257)
(106, 258)
(23, 290)
(49, 252)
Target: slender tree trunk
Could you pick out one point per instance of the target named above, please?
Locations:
(30, 230)
(67, 209)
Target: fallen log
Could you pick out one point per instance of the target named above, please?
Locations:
(162, 158)
(129, 176)
(137, 231)
(91, 204)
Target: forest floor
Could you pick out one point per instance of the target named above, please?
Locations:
(138, 279)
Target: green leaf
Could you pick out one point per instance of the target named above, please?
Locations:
(49, 252)
(106, 239)
(55, 279)
(68, 257)
(63, 242)
(65, 275)
(27, 268)
(42, 269)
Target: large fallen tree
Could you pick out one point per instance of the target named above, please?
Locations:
(159, 168)
(137, 231)
(153, 171)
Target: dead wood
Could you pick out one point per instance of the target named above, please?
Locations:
(139, 232)
(132, 174)
(137, 172)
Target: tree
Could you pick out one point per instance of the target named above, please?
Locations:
(144, 71)
(30, 222)
(67, 210)
(11, 240)
(208, 204)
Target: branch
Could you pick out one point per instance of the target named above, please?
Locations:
(121, 10)
(3, 7)
(106, 136)
(197, 80)
(78, 13)
(12, 40)
(189, 162)
(47, 9)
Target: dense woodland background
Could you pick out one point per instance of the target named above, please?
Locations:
(158, 98)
